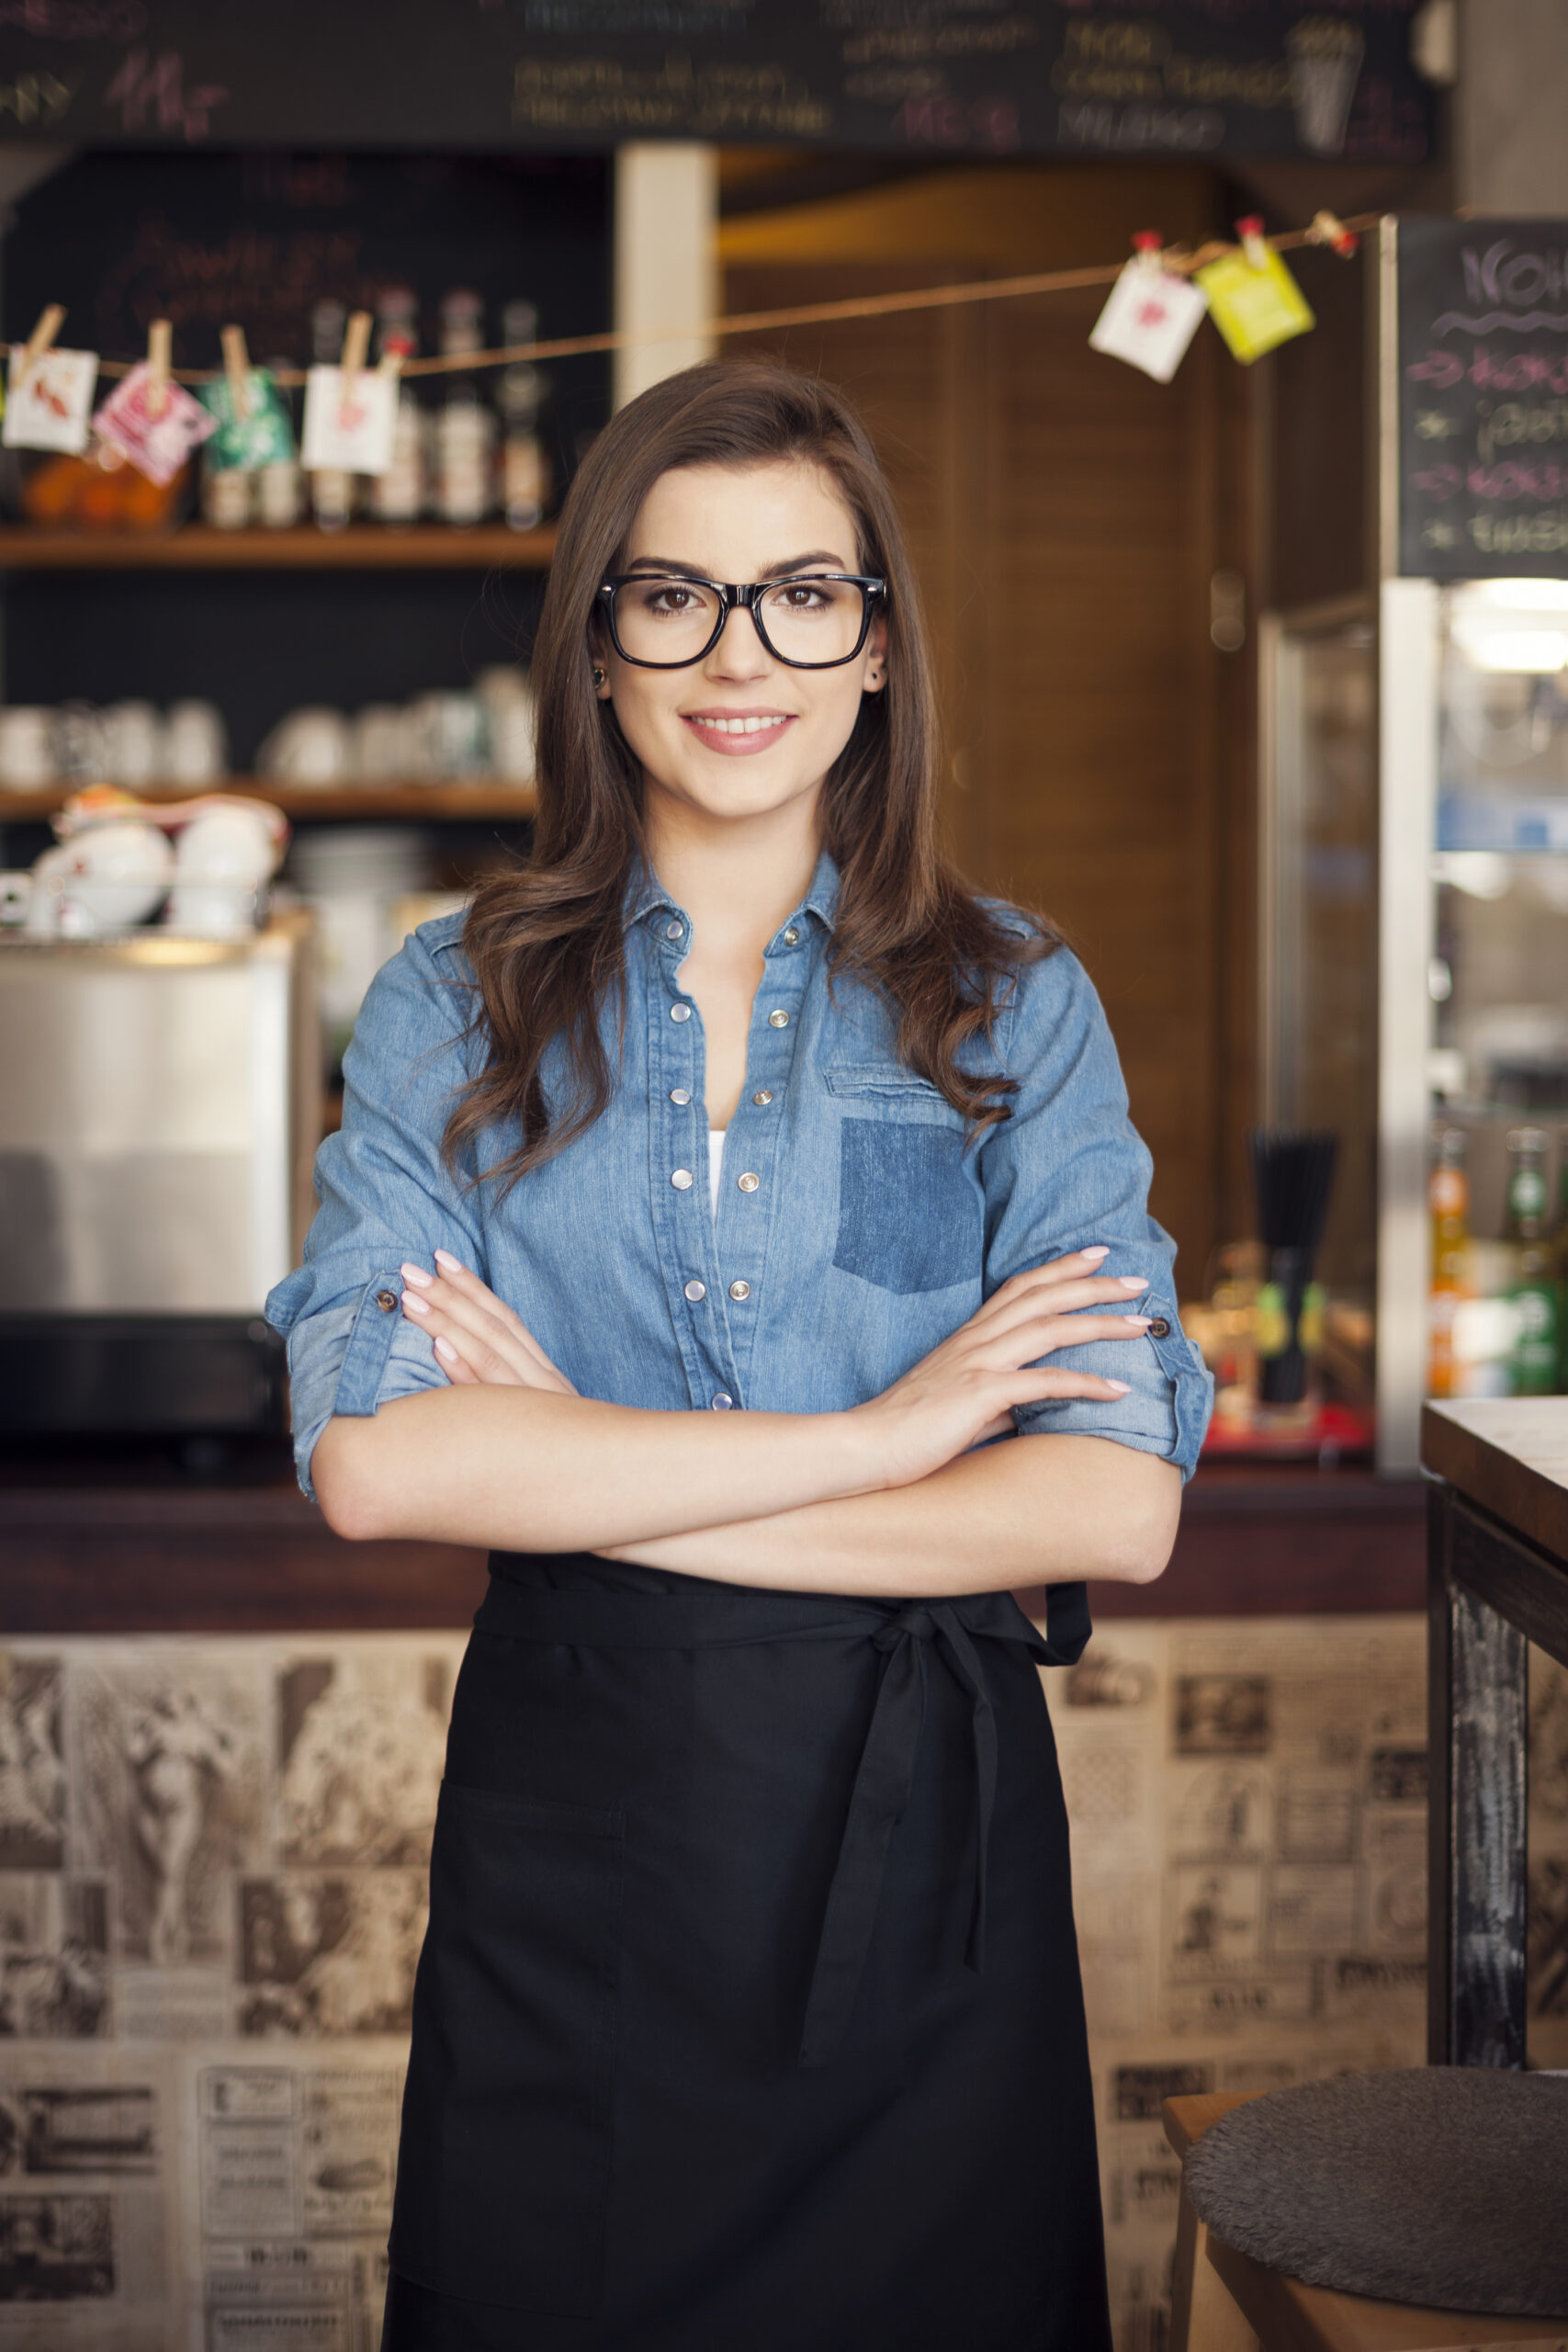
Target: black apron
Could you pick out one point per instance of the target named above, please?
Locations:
(749, 2015)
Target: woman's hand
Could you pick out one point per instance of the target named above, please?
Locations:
(479, 1341)
(965, 1389)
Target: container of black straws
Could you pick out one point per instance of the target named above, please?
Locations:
(1291, 1174)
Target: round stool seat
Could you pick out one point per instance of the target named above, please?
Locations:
(1445, 2185)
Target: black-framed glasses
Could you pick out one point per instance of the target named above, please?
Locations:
(817, 621)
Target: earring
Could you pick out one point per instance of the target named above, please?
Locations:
(599, 675)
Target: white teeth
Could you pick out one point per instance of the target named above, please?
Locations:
(739, 726)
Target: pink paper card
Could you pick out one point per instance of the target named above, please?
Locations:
(50, 408)
(1149, 321)
(156, 446)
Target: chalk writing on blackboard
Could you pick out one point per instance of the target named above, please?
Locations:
(151, 93)
(1482, 397)
(36, 100)
(700, 99)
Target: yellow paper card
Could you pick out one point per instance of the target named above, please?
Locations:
(1253, 309)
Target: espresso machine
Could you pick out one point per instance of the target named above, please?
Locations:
(160, 1106)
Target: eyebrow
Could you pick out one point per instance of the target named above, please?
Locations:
(667, 566)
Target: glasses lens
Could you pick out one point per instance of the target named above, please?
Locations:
(665, 620)
(812, 620)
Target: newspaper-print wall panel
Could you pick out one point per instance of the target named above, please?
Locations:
(212, 1887)
(1247, 1800)
(212, 1892)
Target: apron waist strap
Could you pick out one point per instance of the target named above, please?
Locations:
(718, 1616)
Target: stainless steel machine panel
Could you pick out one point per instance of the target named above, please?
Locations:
(158, 1101)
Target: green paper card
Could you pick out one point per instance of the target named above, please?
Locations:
(263, 437)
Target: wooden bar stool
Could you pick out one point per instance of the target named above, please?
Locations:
(1223, 2301)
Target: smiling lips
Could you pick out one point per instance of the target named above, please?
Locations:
(738, 733)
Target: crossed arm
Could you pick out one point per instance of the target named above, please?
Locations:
(885, 1499)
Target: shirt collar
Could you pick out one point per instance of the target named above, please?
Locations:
(645, 895)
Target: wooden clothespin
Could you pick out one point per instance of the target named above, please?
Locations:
(1250, 231)
(1146, 245)
(50, 324)
(356, 343)
(160, 350)
(1328, 228)
(237, 368)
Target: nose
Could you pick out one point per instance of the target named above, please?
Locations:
(740, 653)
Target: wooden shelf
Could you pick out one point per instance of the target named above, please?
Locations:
(363, 547)
(429, 803)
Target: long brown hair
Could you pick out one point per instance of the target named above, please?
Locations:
(546, 941)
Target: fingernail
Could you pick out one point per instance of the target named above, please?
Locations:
(1101, 1250)
(444, 1257)
(447, 1352)
(1119, 1386)
(1137, 1322)
(417, 1275)
(414, 1304)
(1133, 1282)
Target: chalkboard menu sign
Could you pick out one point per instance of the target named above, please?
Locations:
(979, 77)
(1483, 361)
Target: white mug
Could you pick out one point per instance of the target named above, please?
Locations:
(223, 861)
(133, 743)
(104, 879)
(197, 743)
(311, 746)
(27, 748)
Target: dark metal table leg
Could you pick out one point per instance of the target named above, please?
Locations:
(1477, 1715)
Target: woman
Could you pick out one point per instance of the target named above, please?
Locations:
(749, 2013)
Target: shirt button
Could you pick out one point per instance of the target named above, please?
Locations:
(680, 1013)
(385, 1300)
(672, 929)
(721, 1403)
(695, 1290)
(792, 937)
(740, 1290)
(681, 1094)
(778, 1021)
(747, 1182)
(682, 1179)
(1159, 1329)
(763, 1094)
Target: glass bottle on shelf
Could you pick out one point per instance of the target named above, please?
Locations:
(398, 495)
(524, 468)
(1534, 1286)
(1448, 1198)
(280, 486)
(332, 487)
(465, 439)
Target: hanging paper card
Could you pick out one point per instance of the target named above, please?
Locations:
(156, 446)
(1151, 318)
(261, 437)
(51, 407)
(1254, 308)
(353, 435)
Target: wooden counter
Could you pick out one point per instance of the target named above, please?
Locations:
(101, 1547)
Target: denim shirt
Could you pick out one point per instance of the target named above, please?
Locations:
(855, 1230)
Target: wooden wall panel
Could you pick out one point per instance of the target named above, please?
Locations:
(1061, 511)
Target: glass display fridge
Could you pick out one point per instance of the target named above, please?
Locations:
(1414, 846)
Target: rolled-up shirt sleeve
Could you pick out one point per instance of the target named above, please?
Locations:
(384, 1196)
(1069, 1170)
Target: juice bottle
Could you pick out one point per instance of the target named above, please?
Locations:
(1448, 1198)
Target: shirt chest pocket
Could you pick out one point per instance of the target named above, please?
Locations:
(909, 1210)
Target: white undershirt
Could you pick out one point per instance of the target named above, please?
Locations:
(716, 1164)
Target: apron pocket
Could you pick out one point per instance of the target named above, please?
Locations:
(504, 2166)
